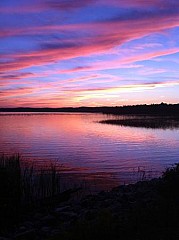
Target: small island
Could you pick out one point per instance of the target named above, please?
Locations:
(146, 122)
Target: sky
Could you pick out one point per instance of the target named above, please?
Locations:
(71, 53)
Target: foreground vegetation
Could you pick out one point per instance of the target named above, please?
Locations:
(147, 210)
(24, 189)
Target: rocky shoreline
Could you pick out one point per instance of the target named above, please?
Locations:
(125, 211)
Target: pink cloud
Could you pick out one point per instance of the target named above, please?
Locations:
(16, 92)
(63, 5)
(111, 34)
(125, 62)
(142, 3)
(84, 39)
(45, 5)
(73, 97)
(15, 76)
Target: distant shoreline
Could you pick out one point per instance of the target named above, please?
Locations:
(162, 109)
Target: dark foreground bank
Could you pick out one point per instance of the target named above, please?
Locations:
(145, 210)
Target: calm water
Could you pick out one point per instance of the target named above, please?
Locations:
(100, 154)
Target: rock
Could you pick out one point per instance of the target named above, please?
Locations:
(48, 220)
(28, 224)
(107, 203)
(26, 235)
(62, 209)
(90, 215)
(68, 216)
(38, 215)
(22, 229)
(55, 231)
(45, 231)
(3, 238)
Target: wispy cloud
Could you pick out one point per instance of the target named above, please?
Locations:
(65, 50)
(125, 61)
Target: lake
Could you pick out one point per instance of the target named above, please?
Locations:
(99, 155)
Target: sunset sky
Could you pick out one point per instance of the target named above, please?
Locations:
(61, 53)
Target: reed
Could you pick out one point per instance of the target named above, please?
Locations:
(23, 188)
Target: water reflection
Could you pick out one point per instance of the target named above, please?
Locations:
(84, 149)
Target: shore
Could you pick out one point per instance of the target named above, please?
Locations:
(145, 210)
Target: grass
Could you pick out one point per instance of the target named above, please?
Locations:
(10, 189)
(23, 189)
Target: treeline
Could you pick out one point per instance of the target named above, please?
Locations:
(153, 109)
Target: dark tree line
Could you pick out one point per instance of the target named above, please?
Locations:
(153, 109)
